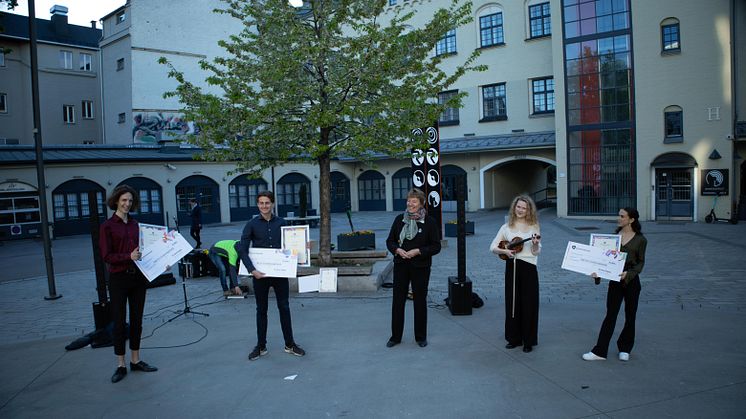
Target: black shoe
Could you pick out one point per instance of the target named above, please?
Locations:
(119, 374)
(391, 343)
(527, 348)
(257, 352)
(295, 350)
(142, 366)
(512, 345)
(422, 343)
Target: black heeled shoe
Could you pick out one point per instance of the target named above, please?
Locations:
(422, 343)
(527, 348)
(512, 345)
(392, 343)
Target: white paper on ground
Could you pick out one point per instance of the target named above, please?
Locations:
(308, 283)
(291, 377)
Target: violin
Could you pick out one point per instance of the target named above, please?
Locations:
(515, 244)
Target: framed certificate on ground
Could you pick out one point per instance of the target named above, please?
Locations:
(328, 280)
(607, 241)
(296, 239)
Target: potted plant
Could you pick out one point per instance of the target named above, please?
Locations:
(356, 240)
(452, 228)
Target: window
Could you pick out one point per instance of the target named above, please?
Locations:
(540, 20)
(491, 30)
(493, 103)
(543, 95)
(150, 201)
(121, 16)
(670, 36)
(449, 115)
(2, 58)
(3, 103)
(19, 210)
(120, 118)
(673, 124)
(446, 44)
(594, 17)
(120, 64)
(68, 114)
(85, 62)
(66, 59)
(392, 2)
(87, 109)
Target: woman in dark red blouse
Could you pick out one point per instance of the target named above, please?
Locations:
(119, 242)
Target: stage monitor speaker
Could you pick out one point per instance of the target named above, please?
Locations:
(459, 296)
(162, 280)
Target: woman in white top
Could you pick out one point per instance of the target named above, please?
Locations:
(521, 277)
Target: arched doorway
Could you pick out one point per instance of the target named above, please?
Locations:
(287, 195)
(452, 175)
(674, 187)
(242, 193)
(71, 209)
(340, 192)
(207, 193)
(151, 200)
(401, 184)
(503, 179)
(371, 186)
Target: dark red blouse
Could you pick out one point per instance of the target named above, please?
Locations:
(117, 240)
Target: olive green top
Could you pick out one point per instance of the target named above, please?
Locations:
(635, 249)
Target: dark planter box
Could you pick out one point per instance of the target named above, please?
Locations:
(452, 229)
(356, 242)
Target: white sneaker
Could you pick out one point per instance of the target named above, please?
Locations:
(590, 356)
(624, 356)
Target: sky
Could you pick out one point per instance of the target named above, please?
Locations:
(80, 12)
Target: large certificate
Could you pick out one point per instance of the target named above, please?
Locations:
(272, 262)
(295, 239)
(607, 241)
(160, 249)
(586, 259)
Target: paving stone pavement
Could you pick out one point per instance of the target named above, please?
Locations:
(688, 362)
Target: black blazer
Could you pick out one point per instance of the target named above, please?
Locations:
(427, 240)
(196, 215)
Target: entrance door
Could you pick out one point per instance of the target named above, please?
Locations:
(340, 192)
(674, 193)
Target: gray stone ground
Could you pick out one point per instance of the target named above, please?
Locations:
(688, 360)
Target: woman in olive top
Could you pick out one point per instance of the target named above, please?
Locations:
(627, 289)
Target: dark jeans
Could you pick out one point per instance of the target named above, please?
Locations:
(123, 288)
(282, 292)
(194, 232)
(222, 264)
(522, 324)
(404, 273)
(630, 294)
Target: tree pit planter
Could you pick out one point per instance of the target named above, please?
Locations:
(347, 242)
(452, 229)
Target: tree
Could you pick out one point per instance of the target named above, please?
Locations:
(333, 78)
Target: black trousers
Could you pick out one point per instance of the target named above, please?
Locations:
(126, 288)
(194, 232)
(522, 325)
(630, 294)
(282, 293)
(404, 273)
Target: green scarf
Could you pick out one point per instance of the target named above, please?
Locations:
(410, 224)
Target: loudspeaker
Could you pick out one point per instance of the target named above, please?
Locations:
(101, 315)
(459, 296)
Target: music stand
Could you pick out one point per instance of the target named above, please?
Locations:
(185, 271)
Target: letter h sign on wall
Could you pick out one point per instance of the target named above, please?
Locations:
(426, 171)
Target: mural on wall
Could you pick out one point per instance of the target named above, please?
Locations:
(151, 127)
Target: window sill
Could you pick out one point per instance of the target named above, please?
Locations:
(501, 44)
(536, 38)
(673, 140)
(448, 123)
(676, 51)
(446, 55)
(494, 118)
(541, 114)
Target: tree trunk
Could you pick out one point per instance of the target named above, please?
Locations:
(325, 224)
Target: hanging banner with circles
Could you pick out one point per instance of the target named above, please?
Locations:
(426, 170)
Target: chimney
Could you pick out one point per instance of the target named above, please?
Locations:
(93, 24)
(59, 19)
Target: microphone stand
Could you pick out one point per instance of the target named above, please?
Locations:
(185, 271)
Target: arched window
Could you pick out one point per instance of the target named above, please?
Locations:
(490, 26)
(670, 35)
